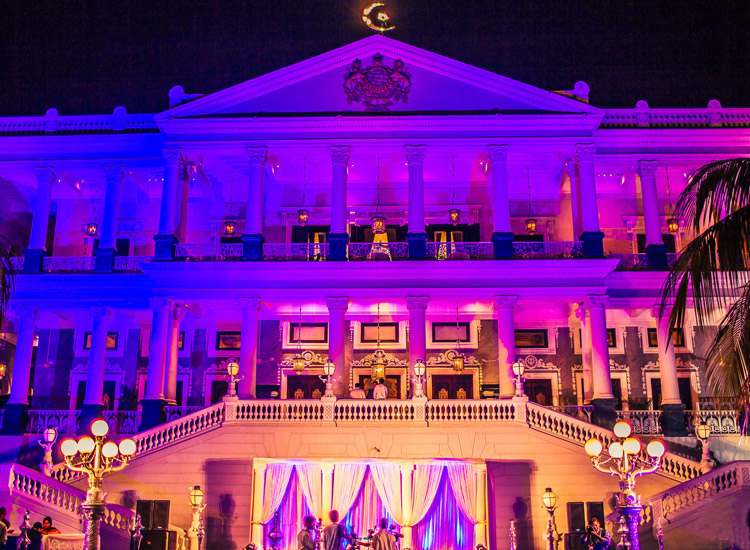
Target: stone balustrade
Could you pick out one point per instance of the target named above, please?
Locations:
(378, 251)
(208, 251)
(68, 264)
(630, 261)
(172, 412)
(295, 251)
(129, 264)
(17, 263)
(537, 250)
(64, 421)
(460, 251)
(643, 422)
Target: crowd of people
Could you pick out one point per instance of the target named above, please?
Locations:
(335, 536)
(35, 534)
(378, 391)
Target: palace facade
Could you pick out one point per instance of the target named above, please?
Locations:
(376, 206)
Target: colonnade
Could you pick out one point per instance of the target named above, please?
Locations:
(167, 315)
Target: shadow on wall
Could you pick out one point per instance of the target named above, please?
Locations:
(228, 491)
(509, 497)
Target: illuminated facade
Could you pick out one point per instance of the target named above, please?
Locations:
(375, 205)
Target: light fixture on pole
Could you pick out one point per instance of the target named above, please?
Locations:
(48, 440)
(299, 364)
(549, 501)
(233, 367)
(92, 229)
(419, 371)
(377, 369)
(626, 461)
(303, 215)
(378, 220)
(454, 214)
(229, 227)
(95, 458)
(673, 224)
(703, 433)
(531, 220)
(518, 373)
(458, 361)
(197, 506)
(328, 369)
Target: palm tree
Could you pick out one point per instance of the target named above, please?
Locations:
(7, 277)
(713, 269)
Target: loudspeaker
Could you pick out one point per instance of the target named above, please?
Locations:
(154, 513)
(576, 517)
(595, 510)
(159, 540)
(145, 509)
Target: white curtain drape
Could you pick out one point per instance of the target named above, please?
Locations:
(277, 481)
(464, 483)
(425, 483)
(387, 478)
(311, 483)
(347, 481)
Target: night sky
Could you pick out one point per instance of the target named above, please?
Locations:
(87, 57)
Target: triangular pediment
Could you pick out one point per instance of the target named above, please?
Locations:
(404, 79)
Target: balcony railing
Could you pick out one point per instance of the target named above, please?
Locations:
(630, 261)
(460, 251)
(129, 264)
(205, 252)
(581, 412)
(68, 264)
(123, 422)
(68, 422)
(16, 262)
(174, 412)
(378, 251)
(305, 252)
(644, 422)
(539, 250)
(720, 422)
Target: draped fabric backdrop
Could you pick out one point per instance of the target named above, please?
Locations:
(292, 511)
(347, 482)
(387, 478)
(425, 482)
(277, 480)
(311, 483)
(445, 527)
(464, 483)
(367, 509)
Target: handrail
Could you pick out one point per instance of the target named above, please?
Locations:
(52, 122)
(548, 249)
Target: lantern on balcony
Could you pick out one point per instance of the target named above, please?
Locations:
(673, 225)
(229, 228)
(377, 368)
(3, 370)
(454, 216)
(531, 226)
(458, 362)
(303, 217)
(92, 229)
(298, 363)
(378, 224)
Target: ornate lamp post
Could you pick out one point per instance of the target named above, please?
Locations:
(703, 432)
(233, 367)
(328, 369)
(419, 370)
(96, 457)
(518, 372)
(549, 501)
(196, 506)
(48, 440)
(626, 461)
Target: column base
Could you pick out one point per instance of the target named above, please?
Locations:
(337, 246)
(502, 245)
(657, 256)
(32, 260)
(593, 244)
(164, 248)
(105, 258)
(604, 414)
(417, 245)
(89, 413)
(673, 420)
(15, 419)
(252, 246)
(152, 413)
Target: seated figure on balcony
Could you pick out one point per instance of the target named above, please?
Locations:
(380, 391)
(357, 392)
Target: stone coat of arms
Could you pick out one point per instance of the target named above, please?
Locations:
(377, 87)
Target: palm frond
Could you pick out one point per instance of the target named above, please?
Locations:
(7, 277)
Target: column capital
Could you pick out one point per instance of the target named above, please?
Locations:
(480, 467)
(407, 468)
(596, 301)
(45, 174)
(498, 153)
(101, 312)
(647, 168)
(415, 153)
(337, 303)
(252, 304)
(340, 154)
(178, 314)
(585, 151)
(160, 303)
(504, 302)
(172, 155)
(259, 467)
(417, 302)
(114, 173)
(27, 313)
(257, 155)
(580, 311)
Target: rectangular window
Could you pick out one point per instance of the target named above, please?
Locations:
(531, 338)
(678, 338)
(387, 333)
(611, 338)
(112, 338)
(450, 332)
(308, 333)
(228, 339)
(181, 341)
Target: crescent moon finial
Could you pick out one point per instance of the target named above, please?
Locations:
(381, 20)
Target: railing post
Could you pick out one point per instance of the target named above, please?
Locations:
(329, 410)
(520, 404)
(230, 409)
(420, 410)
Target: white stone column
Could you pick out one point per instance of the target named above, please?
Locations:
(254, 221)
(417, 306)
(326, 486)
(97, 355)
(337, 306)
(670, 389)
(19, 389)
(415, 162)
(407, 482)
(480, 528)
(602, 380)
(114, 176)
(339, 165)
(162, 309)
(246, 388)
(587, 184)
(506, 344)
(498, 155)
(173, 348)
(647, 173)
(259, 487)
(45, 176)
(170, 188)
(588, 393)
